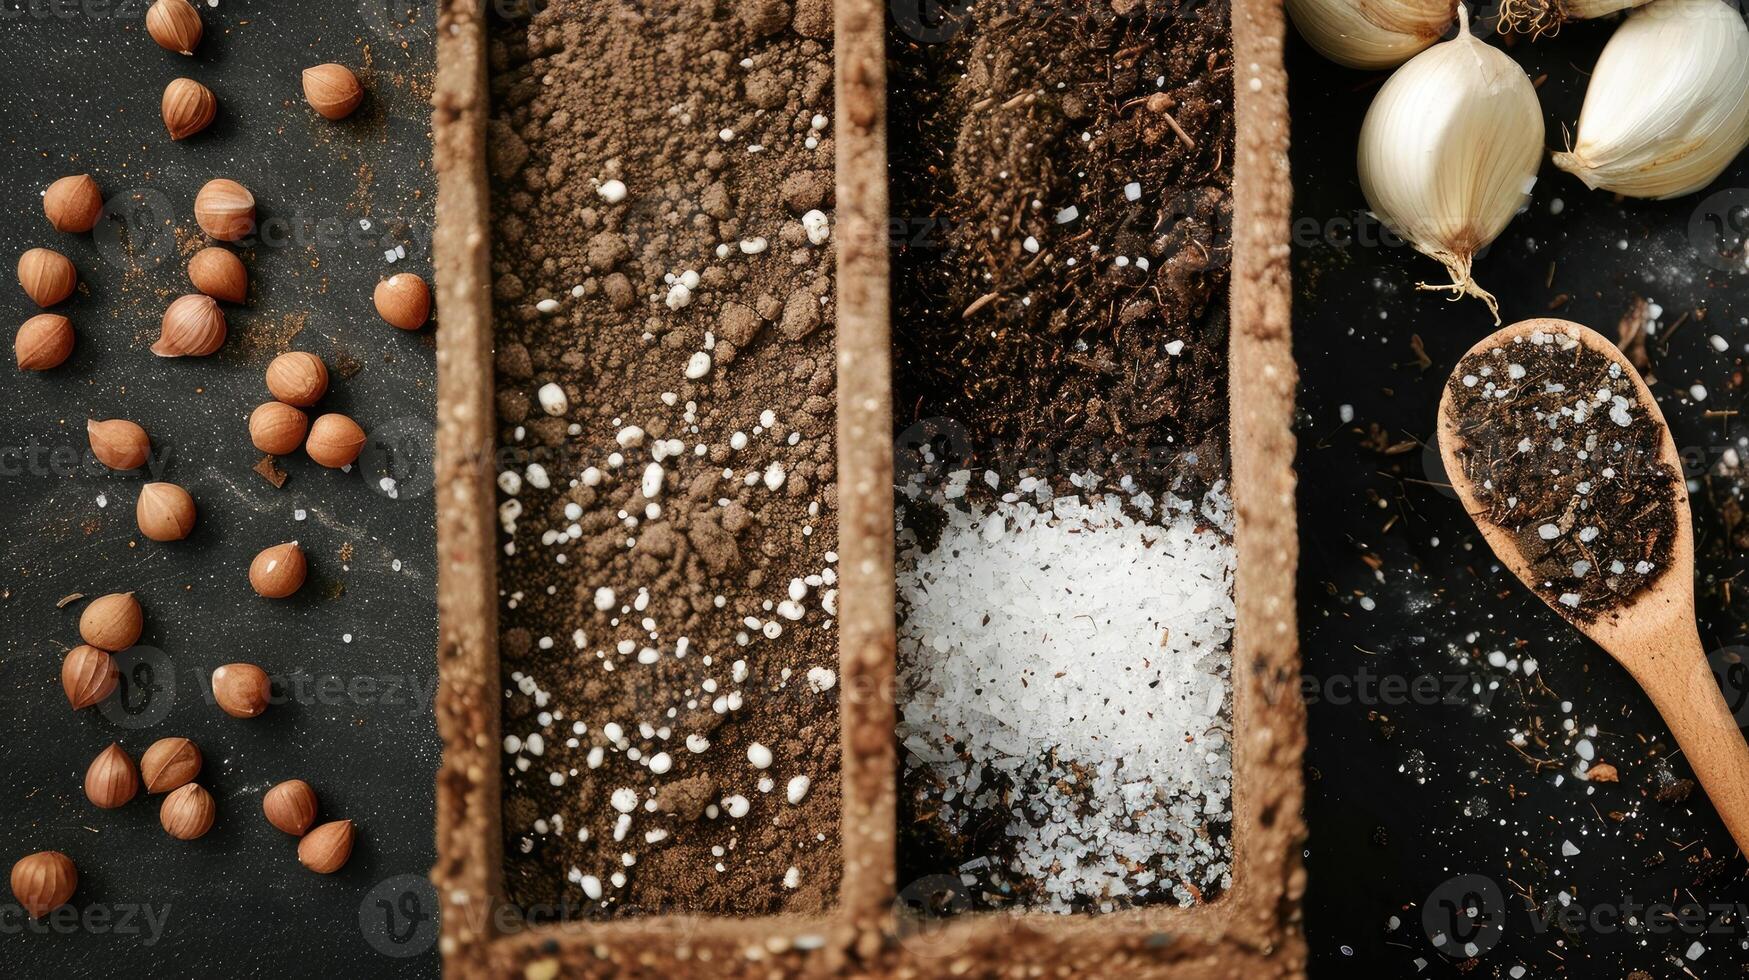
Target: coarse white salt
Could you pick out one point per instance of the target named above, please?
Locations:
(818, 228)
(553, 400)
(1076, 664)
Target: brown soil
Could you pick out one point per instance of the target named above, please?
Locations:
(1046, 343)
(1588, 499)
(586, 93)
(1032, 340)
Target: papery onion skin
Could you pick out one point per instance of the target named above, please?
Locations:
(1371, 35)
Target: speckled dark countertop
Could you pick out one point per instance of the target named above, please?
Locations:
(355, 649)
(1420, 804)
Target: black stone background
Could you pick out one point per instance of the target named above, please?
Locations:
(82, 83)
(1407, 793)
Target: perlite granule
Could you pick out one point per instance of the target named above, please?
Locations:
(1064, 666)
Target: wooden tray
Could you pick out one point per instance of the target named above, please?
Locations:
(1250, 931)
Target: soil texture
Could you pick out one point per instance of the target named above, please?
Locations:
(662, 178)
(1061, 180)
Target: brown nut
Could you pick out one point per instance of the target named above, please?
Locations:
(118, 443)
(335, 440)
(242, 690)
(290, 806)
(225, 209)
(175, 25)
(169, 763)
(43, 882)
(188, 107)
(332, 90)
(297, 378)
(326, 849)
(403, 300)
(47, 276)
(44, 342)
(279, 571)
(111, 780)
(219, 273)
(165, 512)
(193, 326)
(88, 675)
(112, 622)
(73, 203)
(277, 428)
(188, 812)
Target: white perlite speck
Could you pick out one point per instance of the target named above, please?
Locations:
(1075, 646)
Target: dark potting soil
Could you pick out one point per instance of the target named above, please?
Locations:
(1565, 457)
(669, 647)
(1060, 179)
(1061, 183)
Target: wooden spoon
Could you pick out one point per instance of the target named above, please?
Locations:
(1654, 634)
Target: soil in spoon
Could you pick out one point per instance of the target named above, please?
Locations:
(1564, 456)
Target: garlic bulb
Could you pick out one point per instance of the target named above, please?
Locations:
(1667, 109)
(1371, 34)
(1449, 152)
(1540, 17)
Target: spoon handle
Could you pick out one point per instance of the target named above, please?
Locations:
(1679, 680)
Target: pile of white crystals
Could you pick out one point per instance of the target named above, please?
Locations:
(1079, 657)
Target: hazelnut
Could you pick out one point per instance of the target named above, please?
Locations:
(112, 622)
(403, 300)
(278, 571)
(277, 428)
(169, 763)
(44, 342)
(326, 849)
(332, 90)
(297, 378)
(175, 25)
(193, 326)
(47, 276)
(43, 882)
(335, 440)
(242, 690)
(188, 812)
(188, 107)
(225, 209)
(219, 273)
(111, 780)
(73, 203)
(165, 512)
(290, 806)
(118, 443)
(88, 675)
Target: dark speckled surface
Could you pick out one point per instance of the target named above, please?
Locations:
(354, 652)
(1408, 794)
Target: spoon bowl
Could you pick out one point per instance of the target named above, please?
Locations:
(1652, 633)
